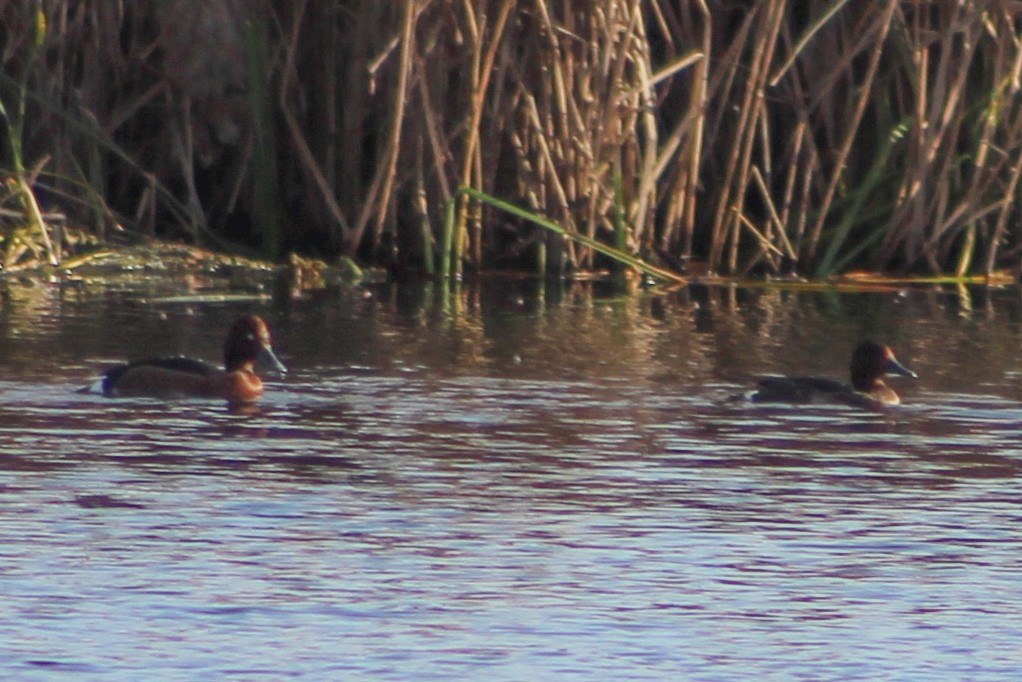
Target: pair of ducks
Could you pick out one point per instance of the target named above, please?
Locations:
(248, 342)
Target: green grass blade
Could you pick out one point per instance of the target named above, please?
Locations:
(609, 251)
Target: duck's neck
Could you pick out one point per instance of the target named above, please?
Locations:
(877, 390)
(868, 385)
(244, 366)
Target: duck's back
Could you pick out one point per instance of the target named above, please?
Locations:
(800, 390)
(160, 375)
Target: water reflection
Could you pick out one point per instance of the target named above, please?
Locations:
(519, 480)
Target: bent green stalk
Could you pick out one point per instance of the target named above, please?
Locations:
(609, 251)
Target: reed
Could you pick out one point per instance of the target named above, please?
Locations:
(268, 213)
(29, 231)
(749, 138)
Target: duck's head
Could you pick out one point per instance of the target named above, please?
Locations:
(872, 361)
(247, 342)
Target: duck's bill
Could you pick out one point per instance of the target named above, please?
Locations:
(268, 358)
(896, 368)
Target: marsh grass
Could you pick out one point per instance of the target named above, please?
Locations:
(744, 139)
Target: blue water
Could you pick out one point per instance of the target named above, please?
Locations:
(506, 487)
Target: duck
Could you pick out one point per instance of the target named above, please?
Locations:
(871, 362)
(247, 342)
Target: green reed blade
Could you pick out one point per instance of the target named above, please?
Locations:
(609, 251)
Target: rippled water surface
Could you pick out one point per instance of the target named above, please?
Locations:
(513, 483)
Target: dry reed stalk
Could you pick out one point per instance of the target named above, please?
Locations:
(682, 150)
(947, 198)
(551, 180)
(937, 131)
(721, 221)
(737, 170)
(642, 215)
(766, 245)
(378, 199)
(881, 27)
(794, 166)
(319, 169)
(438, 143)
(1003, 215)
(806, 37)
(775, 224)
(581, 94)
(762, 59)
(481, 69)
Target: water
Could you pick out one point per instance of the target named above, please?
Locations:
(513, 484)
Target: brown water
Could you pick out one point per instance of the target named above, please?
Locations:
(513, 483)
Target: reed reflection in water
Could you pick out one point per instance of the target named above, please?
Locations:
(504, 487)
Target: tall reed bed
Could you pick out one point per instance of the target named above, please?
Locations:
(767, 137)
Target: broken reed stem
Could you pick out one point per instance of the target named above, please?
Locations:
(775, 219)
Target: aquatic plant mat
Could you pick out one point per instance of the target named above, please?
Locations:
(192, 274)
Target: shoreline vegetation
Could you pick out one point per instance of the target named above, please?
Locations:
(681, 140)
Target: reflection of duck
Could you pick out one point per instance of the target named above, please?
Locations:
(247, 341)
(871, 362)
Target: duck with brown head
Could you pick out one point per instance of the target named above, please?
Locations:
(871, 362)
(248, 342)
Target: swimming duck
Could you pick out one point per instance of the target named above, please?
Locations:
(871, 362)
(248, 341)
